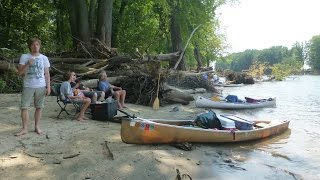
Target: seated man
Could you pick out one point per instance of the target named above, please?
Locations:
(215, 78)
(110, 90)
(67, 92)
(94, 95)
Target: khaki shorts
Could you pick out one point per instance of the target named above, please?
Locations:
(78, 100)
(37, 93)
(90, 94)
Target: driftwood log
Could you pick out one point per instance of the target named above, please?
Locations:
(190, 80)
(176, 95)
(6, 66)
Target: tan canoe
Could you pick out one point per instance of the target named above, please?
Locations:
(139, 131)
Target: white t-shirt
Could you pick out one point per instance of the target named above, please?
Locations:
(215, 77)
(34, 77)
(65, 90)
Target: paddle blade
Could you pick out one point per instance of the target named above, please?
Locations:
(155, 105)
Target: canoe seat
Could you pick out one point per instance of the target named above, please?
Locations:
(262, 125)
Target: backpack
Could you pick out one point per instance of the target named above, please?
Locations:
(208, 120)
(232, 98)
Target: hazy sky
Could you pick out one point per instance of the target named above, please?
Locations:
(259, 24)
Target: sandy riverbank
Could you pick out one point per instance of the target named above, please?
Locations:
(94, 150)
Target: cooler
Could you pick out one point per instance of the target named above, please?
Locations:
(104, 111)
(226, 123)
(241, 124)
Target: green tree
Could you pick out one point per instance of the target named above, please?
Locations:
(297, 52)
(152, 27)
(243, 60)
(104, 26)
(314, 52)
(273, 55)
(23, 19)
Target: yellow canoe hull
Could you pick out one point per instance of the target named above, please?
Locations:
(172, 131)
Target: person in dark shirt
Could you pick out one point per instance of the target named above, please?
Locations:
(109, 89)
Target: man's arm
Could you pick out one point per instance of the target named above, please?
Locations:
(24, 65)
(47, 78)
(22, 68)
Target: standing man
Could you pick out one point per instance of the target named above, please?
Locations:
(34, 67)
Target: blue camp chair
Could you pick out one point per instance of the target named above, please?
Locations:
(64, 102)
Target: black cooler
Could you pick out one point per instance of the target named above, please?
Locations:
(104, 111)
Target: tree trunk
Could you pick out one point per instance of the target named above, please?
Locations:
(176, 39)
(79, 21)
(197, 55)
(92, 9)
(116, 23)
(208, 62)
(104, 27)
(59, 24)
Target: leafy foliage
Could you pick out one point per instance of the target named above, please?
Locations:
(257, 70)
(287, 67)
(2, 85)
(22, 20)
(281, 60)
(139, 25)
(242, 61)
(10, 82)
(314, 52)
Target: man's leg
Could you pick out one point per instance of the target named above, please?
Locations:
(85, 105)
(26, 96)
(25, 119)
(92, 95)
(39, 104)
(37, 117)
(117, 97)
(123, 97)
(94, 98)
(102, 96)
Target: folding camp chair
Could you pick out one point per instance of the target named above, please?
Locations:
(64, 102)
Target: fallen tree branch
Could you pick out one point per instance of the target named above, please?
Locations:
(184, 50)
(92, 83)
(56, 69)
(74, 60)
(107, 152)
(162, 57)
(92, 72)
(71, 156)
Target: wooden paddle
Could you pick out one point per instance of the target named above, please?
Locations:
(156, 101)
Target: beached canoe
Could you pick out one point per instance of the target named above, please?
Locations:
(139, 131)
(202, 102)
(227, 85)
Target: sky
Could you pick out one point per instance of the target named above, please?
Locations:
(260, 24)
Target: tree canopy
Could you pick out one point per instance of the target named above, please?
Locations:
(129, 25)
(314, 52)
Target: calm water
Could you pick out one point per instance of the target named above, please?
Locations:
(292, 155)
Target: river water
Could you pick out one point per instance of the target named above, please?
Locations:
(294, 154)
